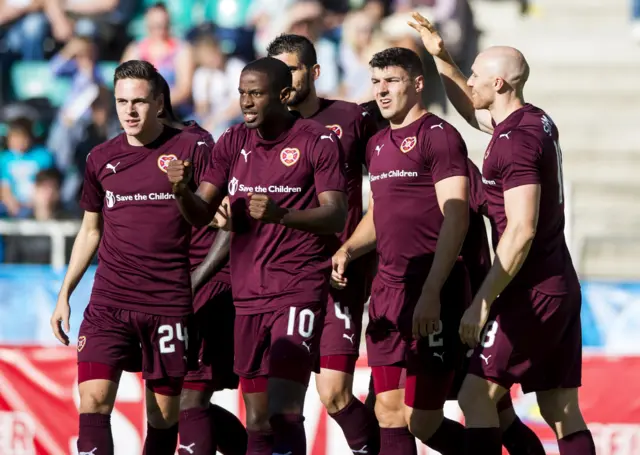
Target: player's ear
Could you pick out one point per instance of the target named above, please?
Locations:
(285, 93)
(315, 71)
(160, 102)
(499, 85)
(418, 83)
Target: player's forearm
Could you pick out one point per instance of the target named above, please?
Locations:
(363, 239)
(327, 219)
(511, 252)
(450, 240)
(214, 261)
(84, 248)
(194, 209)
(455, 85)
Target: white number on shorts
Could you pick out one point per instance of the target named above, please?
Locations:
(560, 176)
(166, 347)
(344, 315)
(305, 322)
(436, 341)
(489, 335)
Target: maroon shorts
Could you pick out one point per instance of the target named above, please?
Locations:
(214, 321)
(283, 343)
(390, 341)
(533, 339)
(134, 341)
(343, 320)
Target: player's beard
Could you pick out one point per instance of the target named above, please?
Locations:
(299, 96)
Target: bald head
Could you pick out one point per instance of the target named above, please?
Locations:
(506, 63)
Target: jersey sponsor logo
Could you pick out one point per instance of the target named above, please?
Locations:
(232, 187)
(164, 160)
(408, 144)
(235, 186)
(289, 156)
(392, 174)
(488, 182)
(111, 198)
(82, 341)
(337, 130)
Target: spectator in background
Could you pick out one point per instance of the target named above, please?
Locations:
(305, 18)
(46, 207)
(19, 165)
(23, 27)
(359, 43)
(635, 17)
(215, 86)
(172, 57)
(78, 61)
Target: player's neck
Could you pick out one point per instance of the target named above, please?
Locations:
(416, 111)
(273, 130)
(309, 106)
(152, 133)
(503, 107)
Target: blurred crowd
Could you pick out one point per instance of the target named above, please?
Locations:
(57, 59)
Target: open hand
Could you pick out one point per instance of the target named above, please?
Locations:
(430, 37)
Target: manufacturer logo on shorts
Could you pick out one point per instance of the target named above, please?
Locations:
(82, 341)
(289, 156)
(337, 130)
(408, 144)
(164, 160)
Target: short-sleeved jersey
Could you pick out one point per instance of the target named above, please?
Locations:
(354, 127)
(271, 265)
(143, 262)
(404, 166)
(203, 237)
(475, 249)
(525, 150)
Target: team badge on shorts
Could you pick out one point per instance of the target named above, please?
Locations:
(337, 130)
(408, 144)
(81, 342)
(164, 160)
(289, 156)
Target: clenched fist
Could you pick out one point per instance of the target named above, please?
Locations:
(179, 173)
(263, 208)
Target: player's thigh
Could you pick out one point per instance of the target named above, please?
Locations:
(107, 344)
(388, 308)
(251, 346)
(295, 340)
(168, 350)
(343, 321)
(215, 323)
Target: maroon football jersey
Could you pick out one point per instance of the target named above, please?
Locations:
(354, 127)
(524, 150)
(475, 249)
(273, 266)
(404, 165)
(202, 238)
(143, 255)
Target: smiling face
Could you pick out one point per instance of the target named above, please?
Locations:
(136, 105)
(395, 91)
(484, 83)
(258, 100)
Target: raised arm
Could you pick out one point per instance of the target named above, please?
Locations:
(84, 248)
(455, 83)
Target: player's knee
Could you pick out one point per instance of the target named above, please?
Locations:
(507, 417)
(190, 398)
(96, 397)
(390, 409)
(423, 424)
(473, 396)
(256, 407)
(163, 417)
(560, 406)
(285, 397)
(334, 390)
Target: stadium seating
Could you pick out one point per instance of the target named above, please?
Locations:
(586, 82)
(31, 80)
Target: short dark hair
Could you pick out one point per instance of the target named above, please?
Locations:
(139, 69)
(158, 5)
(401, 57)
(51, 174)
(294, 44)
(278, 74)
(167, 111)
(21, 125)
